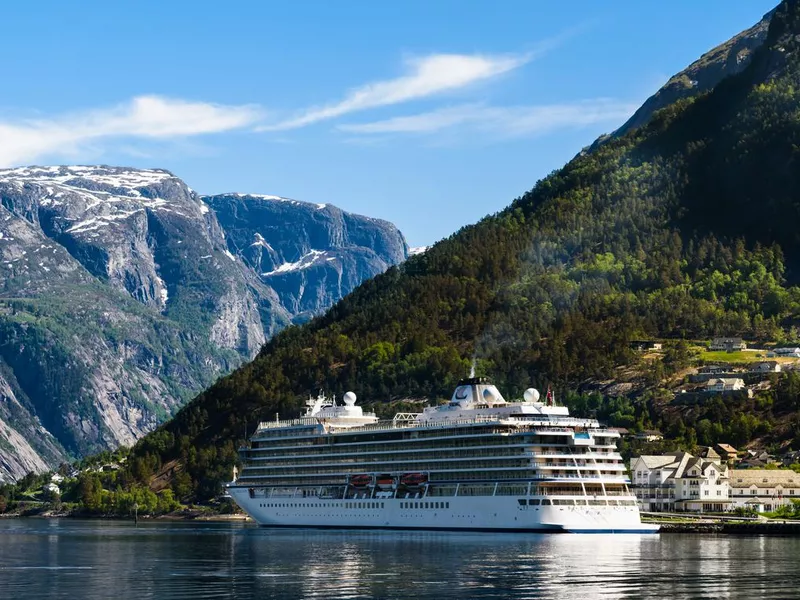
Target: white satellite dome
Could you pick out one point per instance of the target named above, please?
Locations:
(349, 398)
(531, 395)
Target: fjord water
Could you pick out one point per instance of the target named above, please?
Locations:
(112, 559)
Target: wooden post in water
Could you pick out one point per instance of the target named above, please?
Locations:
(135, 513)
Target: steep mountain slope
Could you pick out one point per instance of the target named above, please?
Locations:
(682, 228)
(321, 255)
(121, 296)
(704, 74)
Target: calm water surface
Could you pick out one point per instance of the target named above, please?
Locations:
(97, 559)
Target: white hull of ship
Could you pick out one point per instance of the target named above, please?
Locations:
(483, 513)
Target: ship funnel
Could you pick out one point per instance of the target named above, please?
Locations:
(476, 390)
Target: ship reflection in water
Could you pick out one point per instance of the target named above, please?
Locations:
(94, 559)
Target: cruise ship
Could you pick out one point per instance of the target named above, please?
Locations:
(476, 462)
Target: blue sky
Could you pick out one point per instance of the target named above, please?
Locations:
(428, 114)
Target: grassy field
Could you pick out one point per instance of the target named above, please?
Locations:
(720, 356)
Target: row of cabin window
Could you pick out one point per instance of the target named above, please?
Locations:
(424, 505)
(318, 505)
(580, 502)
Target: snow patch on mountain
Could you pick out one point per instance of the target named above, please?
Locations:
(260, 241)
(304, 262)
(123, 179)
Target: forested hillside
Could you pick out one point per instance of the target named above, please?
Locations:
(684, 228)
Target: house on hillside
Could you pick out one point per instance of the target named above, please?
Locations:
(726, 452)
(712, 369)
(756, 460)
(724, 385)
(728, 344)
(644, 345)
(790, 352)
(709, 453)
(764, 489)
(680, 481)
(791, 458)
(52, 488)
(767, 366)
(648, 435)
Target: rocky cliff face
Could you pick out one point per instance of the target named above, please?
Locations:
(123, 293)
(310, 254)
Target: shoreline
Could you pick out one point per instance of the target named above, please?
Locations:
(193, 516)
(733, 528)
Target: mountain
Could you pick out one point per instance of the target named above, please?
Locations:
(682, 228)
(316, 253)
(122, 294)
(704, 74)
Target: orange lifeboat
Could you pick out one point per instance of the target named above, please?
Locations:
(413, 479)
(360, 480)
(385, 481)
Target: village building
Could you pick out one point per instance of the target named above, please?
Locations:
(791, 458)
(648, 435)
(678, 481)
(644, 345)
(728, 344)
(622, 431)
(709, 453)
(727, 452)
(789, 351)
(724, 385)
(764, 489)
(712, 369)
(52, 488)
(756, 460)
(768, 366)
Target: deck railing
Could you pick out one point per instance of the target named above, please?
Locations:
(547, 425)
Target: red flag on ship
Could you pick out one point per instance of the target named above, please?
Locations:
(549, 397)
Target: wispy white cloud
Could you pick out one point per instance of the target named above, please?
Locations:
(144, 117)
(427, 76)
(510, 121)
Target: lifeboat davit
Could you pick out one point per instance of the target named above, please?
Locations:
(412, 479)
(360, 480)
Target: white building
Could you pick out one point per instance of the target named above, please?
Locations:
(679, 481)
(729, 344)
(764, 489)
(795, 352)
(52, 488)
(649, 435)
(724, 384)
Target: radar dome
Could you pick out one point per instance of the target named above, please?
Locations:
(531, 395)
(349, 398)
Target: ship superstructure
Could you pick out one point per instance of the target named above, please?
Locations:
(476, 462)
